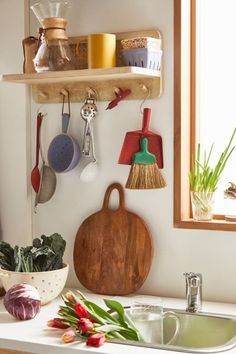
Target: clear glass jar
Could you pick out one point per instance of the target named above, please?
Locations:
(54, 52)
(202, 205)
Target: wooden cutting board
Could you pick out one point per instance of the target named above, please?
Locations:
(113, 249)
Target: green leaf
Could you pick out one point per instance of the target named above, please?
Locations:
(98, 311)
(118, 308)
(18, 258)
(6, 256)
(126, 333)
(108, 328)
(129, 330)
(131, 335)
(202, 177)
(132, 325)
(48, 252)
(115, 335)
(44, 255)
(82, 296)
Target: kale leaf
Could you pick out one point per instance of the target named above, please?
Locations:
(45, 254)
(6, 256)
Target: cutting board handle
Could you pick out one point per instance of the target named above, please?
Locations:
(146, 119)
(120, 189)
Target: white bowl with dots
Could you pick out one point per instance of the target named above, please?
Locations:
(49, 284)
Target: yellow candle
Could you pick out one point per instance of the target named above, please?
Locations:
(101, 50)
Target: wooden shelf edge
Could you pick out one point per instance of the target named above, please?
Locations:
(9, 351)
(125, 72)
(215, 224)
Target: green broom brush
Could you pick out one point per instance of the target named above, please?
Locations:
(144, 172)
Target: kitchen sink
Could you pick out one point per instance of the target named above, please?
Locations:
(198, 333)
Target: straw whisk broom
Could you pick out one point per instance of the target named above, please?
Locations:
(144, 172)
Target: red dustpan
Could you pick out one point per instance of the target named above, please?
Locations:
(131, 143)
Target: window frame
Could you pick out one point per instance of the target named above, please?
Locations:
(185, 117)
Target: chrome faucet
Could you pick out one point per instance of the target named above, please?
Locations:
(193, 291)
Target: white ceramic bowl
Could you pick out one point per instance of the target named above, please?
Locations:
(49, 284)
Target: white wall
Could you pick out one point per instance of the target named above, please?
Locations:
(15, 214)
(176, 251)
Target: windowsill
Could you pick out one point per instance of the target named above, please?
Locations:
(215, 224)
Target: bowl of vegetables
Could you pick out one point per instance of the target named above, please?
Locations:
(40, 265)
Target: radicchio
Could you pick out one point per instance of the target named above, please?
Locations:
(22, 301)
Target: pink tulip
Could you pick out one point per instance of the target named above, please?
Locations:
(85, 325)
(96, 340)
(68, 336)
(81, 311)
(70, 297)
(57, 323)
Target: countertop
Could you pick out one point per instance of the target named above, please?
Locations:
(34, 336)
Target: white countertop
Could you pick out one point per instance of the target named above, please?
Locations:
(34, 336)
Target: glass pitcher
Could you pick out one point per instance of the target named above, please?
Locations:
(53, 52)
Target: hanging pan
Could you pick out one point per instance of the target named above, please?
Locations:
(48, 181)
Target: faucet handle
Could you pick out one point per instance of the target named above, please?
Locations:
(193, 291)
(193, 279)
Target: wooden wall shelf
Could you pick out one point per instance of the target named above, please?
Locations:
(46, 87)
(85, 75)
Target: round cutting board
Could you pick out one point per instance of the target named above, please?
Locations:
(113, 249)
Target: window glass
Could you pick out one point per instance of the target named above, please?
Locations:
(216, 83)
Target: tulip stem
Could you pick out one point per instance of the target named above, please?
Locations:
(118, 335)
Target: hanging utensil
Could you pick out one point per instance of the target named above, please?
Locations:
(88, 112)
(48, 180)
(131, 143)
(64, 151)
(35, 174)
(90, 171)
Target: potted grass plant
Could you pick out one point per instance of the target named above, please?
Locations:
(203, 180)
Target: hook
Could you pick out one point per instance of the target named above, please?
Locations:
(146, 89)
(43, 94)
(65, 94)
(120, 95)
(117, 90)
(92, 92)
(39, 111)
